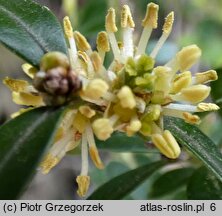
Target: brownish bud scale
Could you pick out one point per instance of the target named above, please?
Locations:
(75, 83)
(56, 81)
(54, 59)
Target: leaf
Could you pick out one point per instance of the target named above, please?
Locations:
(23, 141)
(216, 90)
(30, 30)
(170, 181)
(91, 26)
(119, 142)
(122, 185)
(196, 142)
(203, 185)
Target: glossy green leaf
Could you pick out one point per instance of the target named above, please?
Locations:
(30, 30)
(196, 142)
(170, 181)
(23, 141)
(216, 90)
(120, 142)
(203, 185)
(122, 185)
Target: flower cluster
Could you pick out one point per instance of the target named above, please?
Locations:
(132, 95)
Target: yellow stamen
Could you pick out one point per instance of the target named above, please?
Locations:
(27, 99)
(15, 84)
(29, 70)
(151, 16)
(111, 21)
(167, 144)
(95, 157)
(125, 114)
(81, 42)
(87, 111)
(84, 57)
(102, 128)
(167, 27)
(203, 107)
(96, 61)
(205, 77)
(83, 185)
(181, 81)
(195, 94)
(192, 119)
(162, 82)
(21, 111)
(133, 127)
(103, 42)
(126, 17)
(152, 113)
(48, 163)
(59, 134)
(96, 89)
(68, 27)
(72, 145)
(80, 122)
(187, 57)
(87, 64)
(126, 97)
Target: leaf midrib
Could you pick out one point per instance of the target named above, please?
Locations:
(20, 140)
(20, 22)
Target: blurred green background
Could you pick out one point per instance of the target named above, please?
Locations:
(196, 22)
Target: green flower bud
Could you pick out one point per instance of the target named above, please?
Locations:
(53, 60)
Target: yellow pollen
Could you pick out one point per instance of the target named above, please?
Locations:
(134, 126)
(183, 80)
(96, 89)
(202, 107)
(59, 134)
(96, 61)
(188, 56)
(87, 111)
(29, 70)
(102, 128)
(15, 84)
(110, 21)
(151, 16)
(48, 163)
(167, 27)
(126, 17)
(167, 144)
(83, 56)
(95, 157)
(191, 119)
(68, 27)
(81, 42)
(103, 42)
(205, 77)
(126, 97)
(80, 122)
(83, 185)
(27, 99)
(196, 93)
